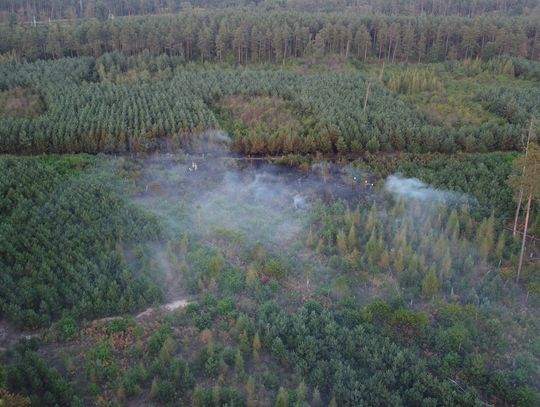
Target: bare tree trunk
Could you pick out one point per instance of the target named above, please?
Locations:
(369, 86)
(524, 240)
(514, 232)
(520, 198)
(367, 95)
(381, 73)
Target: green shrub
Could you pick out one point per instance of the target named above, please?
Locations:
(66, 328)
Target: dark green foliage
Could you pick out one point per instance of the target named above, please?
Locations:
(516, 105)
(30, 375)
(226, 308)
(180, 374)
(231, 397)
(443, 332)
(526, 69)
(66, 328)
(117, 325)
(100, 365)
(208, 361)
(361, 367)
(526, 397)
(164, 392)
(482, 176)
(227, 397)
(157, 340)
(416, 246)
(449, 346)
(233, 281)
(132, 380)
(275, 269)
(62, 238)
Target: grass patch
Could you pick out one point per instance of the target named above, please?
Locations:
(450, 93)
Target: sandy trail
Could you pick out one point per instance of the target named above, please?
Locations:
(169, 307)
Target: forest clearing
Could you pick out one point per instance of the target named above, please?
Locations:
(271, 203)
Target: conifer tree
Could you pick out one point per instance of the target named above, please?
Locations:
(239, 362)
(216, 396)
(309, 239)
(250, 392)
(430, 284)
(256, 347)
(341, 242)
(351, 238)
(282, 399)
(316, 398)
(301, 391)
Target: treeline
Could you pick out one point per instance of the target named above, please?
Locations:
(42, 10)
(65, 241)
(253, 36)
(145, 115)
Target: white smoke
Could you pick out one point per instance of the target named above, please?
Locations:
(210, 141)
(413, 188)
(260, 205)
(299, 201)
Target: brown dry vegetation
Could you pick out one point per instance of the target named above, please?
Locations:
(20, 102)
(267, 125)
(272, 113)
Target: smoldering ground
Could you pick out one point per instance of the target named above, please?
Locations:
(263, 202)
(259, 201)
(253, 201)
(222, 201)
(210, 189)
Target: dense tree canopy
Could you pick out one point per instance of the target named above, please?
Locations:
(102, 9)
(250, 36)
(64, 241)
(171, 103)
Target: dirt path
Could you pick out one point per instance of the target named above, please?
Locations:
(169, 307)
(9, 335)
